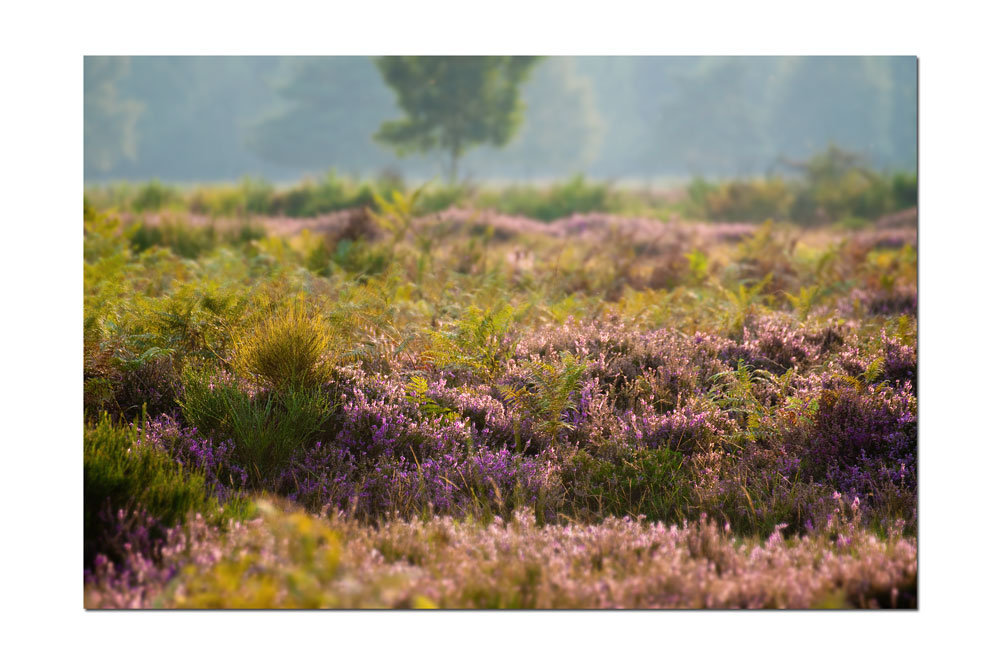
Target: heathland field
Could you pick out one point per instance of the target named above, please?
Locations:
(577, 398)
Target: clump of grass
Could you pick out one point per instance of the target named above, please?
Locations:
(267, 428)
(650, 482)
(285, 349)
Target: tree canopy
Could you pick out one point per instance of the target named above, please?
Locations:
(453, 103)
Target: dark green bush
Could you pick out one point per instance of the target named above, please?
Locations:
(575, 195)
(154, 196)
(190, 240)
(267, 427)
(330, 194)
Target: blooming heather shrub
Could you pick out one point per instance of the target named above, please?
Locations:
(224, 477)
(783, 344)
(290, 560)
(631, 363)
(900, 299)
(327, 478)
(900, 361)
(389, 424)
(686, 430)
(481, 484)
(859, 438)
(125, 532)
(492, 423)
(893, 361)
(319, 478)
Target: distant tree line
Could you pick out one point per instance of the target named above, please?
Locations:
(218, 118)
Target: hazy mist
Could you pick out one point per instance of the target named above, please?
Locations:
(186, 119)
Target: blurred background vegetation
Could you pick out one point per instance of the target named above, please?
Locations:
(627, 119)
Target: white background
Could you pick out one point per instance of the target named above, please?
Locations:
(41, 350)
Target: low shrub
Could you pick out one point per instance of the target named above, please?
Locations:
(266, 427)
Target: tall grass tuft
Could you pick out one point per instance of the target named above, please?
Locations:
(267, 428)
(286, 349)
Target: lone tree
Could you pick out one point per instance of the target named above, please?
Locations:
(452, 103)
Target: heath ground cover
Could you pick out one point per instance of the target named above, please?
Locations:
(390, 407)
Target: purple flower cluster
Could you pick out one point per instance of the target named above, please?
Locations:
(215, 460)
(327, 478)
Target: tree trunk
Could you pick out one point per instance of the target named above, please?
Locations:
(453, 166)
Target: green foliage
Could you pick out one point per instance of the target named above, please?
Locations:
(832, 186)
(736, 392)
(417, 394)
(697, 265)
(249, 197)
(805, 300)
(267, 428)
(452, 103)
(548, 396)
(441, 197)
(121, 474)
(838, 184)
(328, 194)
(874, 370)
(284, 348)
(395, 213)
(561, 200)
(190, 240)
(743, 302)
(478, 341)
(836, 189)
(364, 323)
(650, 482)
(740, 200)
(154, 196)
(103, 240)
